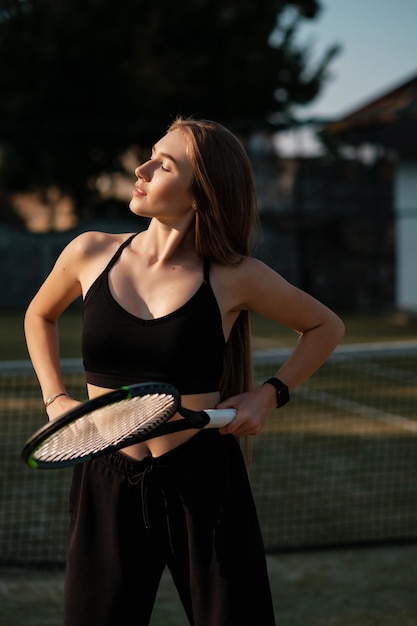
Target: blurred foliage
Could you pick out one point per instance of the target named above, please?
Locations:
(83, 80)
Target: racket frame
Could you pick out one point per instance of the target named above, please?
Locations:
(125, 392)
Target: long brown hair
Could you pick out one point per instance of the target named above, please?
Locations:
(226, 222)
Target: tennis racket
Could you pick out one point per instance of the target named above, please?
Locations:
(117, 419)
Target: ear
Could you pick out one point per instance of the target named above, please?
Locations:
(194, 206)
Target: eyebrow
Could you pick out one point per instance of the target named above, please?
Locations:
(164, 154)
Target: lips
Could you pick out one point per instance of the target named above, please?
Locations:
(138, 191)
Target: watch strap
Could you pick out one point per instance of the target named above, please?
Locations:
(281, 390)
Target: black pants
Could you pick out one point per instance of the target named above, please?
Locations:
(190, 509)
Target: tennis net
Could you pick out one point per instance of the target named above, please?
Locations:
(337, 466)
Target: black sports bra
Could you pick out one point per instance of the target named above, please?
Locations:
(184, 348)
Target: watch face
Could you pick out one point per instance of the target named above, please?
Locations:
(283, 396)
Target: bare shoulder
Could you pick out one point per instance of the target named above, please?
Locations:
(246, 274)
(89, 248)
(239, 286)
(86, 256)
(94, 243)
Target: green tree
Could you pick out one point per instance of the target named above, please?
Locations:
(82, 80)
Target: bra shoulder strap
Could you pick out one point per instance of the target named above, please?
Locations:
(118, 252)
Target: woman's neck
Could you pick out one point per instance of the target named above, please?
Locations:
(166, 243)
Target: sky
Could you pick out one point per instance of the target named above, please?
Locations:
(379, 52)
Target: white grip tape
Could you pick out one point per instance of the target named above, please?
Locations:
(220, 417)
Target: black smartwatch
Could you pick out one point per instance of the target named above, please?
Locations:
(283, 395)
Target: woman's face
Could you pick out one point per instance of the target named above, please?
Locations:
(163, 188)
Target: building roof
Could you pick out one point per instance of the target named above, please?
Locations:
(390, 120)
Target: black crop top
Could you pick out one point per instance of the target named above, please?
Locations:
(184, 348)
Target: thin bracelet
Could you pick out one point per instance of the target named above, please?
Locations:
(53, 398)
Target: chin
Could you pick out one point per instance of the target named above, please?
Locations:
(136, 210)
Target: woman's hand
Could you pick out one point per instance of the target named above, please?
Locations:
(60, 406)
(253, 409)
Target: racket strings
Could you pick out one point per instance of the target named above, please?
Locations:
(106, 427)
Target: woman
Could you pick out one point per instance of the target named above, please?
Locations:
(171, 303)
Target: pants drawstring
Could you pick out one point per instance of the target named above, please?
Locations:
(151, 476)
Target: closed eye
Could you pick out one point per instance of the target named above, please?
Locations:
(163, 157)
(162, 165)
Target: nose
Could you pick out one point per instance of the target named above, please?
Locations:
(142, 171)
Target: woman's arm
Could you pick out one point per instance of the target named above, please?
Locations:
(261, 290)
(60, 288)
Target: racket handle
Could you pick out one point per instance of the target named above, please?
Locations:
(220, 417)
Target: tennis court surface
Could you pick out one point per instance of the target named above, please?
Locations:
(373, 586)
